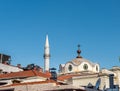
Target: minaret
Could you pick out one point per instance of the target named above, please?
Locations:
(46, 55)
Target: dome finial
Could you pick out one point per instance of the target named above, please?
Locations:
(78, 52)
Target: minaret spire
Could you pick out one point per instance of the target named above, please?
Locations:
(47, 41)
(46, 55)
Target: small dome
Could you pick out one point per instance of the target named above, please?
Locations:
(79, 64)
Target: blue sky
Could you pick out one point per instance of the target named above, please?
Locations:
(94, 24)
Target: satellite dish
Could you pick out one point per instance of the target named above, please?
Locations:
(98, 83)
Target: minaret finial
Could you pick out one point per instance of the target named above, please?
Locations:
(78, 52)
(46, 54)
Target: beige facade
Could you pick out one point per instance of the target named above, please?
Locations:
(81, 72)
(79, 65)
(92, 79)
(30, 87)
(84, 78)
(116, 70)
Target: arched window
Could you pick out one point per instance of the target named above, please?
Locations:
(70, 67)
(85, 67)
(96, 68)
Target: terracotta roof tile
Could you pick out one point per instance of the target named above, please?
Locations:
(67, 76)
(21, 74)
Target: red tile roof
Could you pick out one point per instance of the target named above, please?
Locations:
(21, 74)
(67, 76)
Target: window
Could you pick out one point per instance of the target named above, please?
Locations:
(96, 68)
(70, 67)
(85, 66)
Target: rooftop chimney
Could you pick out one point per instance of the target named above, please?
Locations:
(111, 81)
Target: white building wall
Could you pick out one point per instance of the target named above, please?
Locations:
(80, 68)
(31, 87)
(116, 70)
(34, 79)
(9, 68)
(35, 87)
(85, 80)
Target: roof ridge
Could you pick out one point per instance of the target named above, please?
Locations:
(31, 83)
(35, 72)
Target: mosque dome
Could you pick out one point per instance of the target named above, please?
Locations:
(79, 64)
(78, 61)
